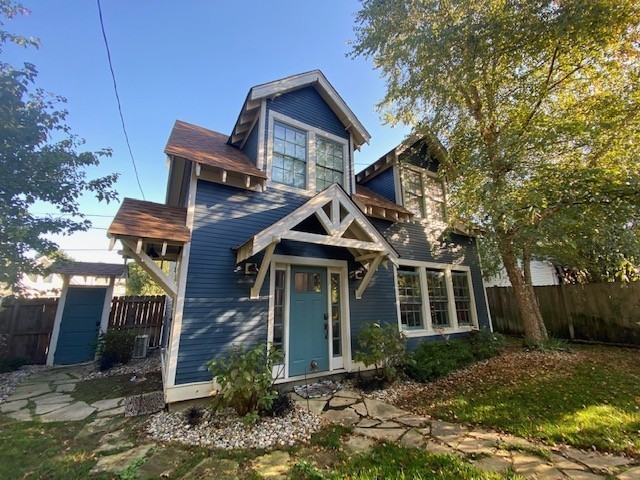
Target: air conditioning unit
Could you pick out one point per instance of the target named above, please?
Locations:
(141, 346)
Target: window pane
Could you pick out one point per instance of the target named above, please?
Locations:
(329, 163)
(438, 299)
(307, 282)
(336, 325)
(289, 156)
(462, 297)
(434, 198)
(410, 299)
(413, 193)
(278, 310)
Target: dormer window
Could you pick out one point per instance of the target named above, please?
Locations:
(289, 165)
(413, 193)
(423, 193)
(329, 163)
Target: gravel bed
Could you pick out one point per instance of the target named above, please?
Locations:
(225, 429)
(10, 381)
(138, 366)
(143, 404)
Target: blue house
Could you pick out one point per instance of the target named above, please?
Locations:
(276, 239)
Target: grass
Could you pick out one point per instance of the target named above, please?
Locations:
(589, 398)
(116, 386)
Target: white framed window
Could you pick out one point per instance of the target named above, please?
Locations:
(303, 158)
(413, 193)
(423, 193)
(434, 297)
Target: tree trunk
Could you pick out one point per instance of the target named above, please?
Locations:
(534, 330)
(526, 265)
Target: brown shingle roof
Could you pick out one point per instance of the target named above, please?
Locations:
(209, 148)
(88, 269)
(372, 199)
(138, 218)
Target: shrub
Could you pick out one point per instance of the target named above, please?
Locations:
(437, 359)
(194, 415)
(281, 405)
(383, 348)
(10, 364)
(115, 346)
(246, 380)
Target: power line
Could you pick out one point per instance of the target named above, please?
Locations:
(58, 214)
(115, 88)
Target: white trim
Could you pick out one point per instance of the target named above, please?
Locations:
(397, 181)
(261, 124)
(435, 265)
(311, 132)
(57, 322)
(106, 306)
(309, 261)
(188, 391)
(149, 266)
(178, 304)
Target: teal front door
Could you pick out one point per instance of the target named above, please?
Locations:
(308, 320)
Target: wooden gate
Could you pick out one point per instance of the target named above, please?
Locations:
(27, 326)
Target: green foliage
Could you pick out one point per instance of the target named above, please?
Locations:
(140, 283)
(382, 347)
(533, 112)
(306, 470)
(115, 346)
(437, 359)
(36, 168)
(550, 345)
(330, 436)
(10, 364)
(245, 379)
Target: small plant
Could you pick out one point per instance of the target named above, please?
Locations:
(281, 405)
(115, 346)
(383, 348)
(245, 378)
(306, 470)
(552, 344)
(194, 415)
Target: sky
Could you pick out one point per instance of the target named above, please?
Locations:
(188, 60)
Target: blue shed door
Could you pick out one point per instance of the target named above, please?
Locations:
(308, 320)
(80, 325)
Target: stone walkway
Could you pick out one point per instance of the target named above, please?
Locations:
(487, 450)
(48, 396)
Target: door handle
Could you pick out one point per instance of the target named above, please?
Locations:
(326, 316)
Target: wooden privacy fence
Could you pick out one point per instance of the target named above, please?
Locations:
(26, 324)
(603, 312)
(144, 314)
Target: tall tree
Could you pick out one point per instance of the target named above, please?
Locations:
(533, 106)
(140, 283)
(40, 160)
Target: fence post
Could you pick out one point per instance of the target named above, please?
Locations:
(567, 312)
(12, 325)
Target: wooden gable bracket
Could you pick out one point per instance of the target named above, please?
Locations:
(264, 268)
(149, 266)
(375, 263)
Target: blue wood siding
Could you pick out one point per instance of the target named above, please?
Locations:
(251, 145)
(383, 184)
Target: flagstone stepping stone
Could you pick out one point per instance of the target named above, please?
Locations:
(315, 405)
(358, 444)
(389, 425)
(493, 464)
(367, 423)
(529, 465)
(111, 413)
(347, 394)
(382, 411)
(114, 441)
(413, 439)
(596, 461)
(582, 475)
(343, 417)
(22, 415)
(413, 421)
(360, 409)
(221, 468)
(448, 433)
(13, 406)
(107, 404)
(29, 391)
(491, 436)
(273, 465)
(562, 463)
(119, 462)
(65, 381)
(439, 449)
(41, 409)
(52, 398)
(337, 402)
(163, 463)
(74, 412)
(66, 387)
(631, 474)
(390, 434)
(100, 425)
(470, 445)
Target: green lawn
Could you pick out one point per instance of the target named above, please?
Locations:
(588, 398)
(116, 386)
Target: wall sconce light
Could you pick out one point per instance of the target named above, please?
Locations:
(250, 268)
(357, 274)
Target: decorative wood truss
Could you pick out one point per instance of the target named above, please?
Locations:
(344, 224)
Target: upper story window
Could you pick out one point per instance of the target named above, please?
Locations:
(289, 165)
(329, 163)
(423, 194)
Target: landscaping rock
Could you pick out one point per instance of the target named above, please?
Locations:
(631, 474)
(347, 394)
(29, 391)
(66, 387)
(343, 417)
(529, 465)
(41, 409)
(337, 402)
(358, 444)
(562, 463)
(413, 421)
(107, 404)
(390, 434)
(273, 465)
(21, 415)
(74, 412)
(99, 425)
(582, 475)
(596, 461)
(52, 398)
(163, 463)
(315, 405)
(470, 445)
(413, 439)
(382, 411)
(439, 449)
(13, 406)
(360, 409)
(448, 433)
(119, 462)
(389, 425)
(367, 423)
(493, 464)
(111, 413)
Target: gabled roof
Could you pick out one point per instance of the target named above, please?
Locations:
(378, 206)
(316, 78)
(142, 219)
(207, 147)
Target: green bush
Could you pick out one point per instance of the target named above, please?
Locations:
(383, 348)
(246, 380)
(437, 359)
(115, 346)
(10, 364)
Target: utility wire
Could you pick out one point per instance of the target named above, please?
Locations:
(115, 88)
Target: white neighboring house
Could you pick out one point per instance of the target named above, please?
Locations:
(36, 285)
(542, 273)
